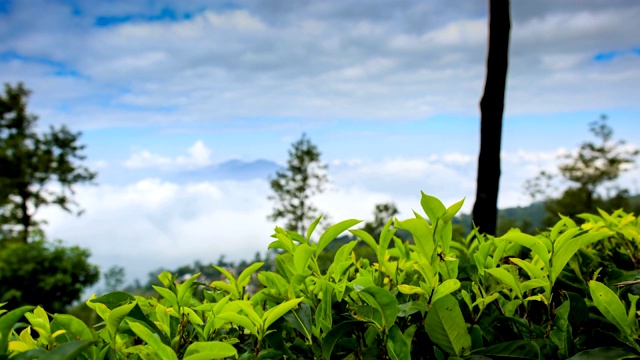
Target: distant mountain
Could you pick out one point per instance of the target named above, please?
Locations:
(233, 170)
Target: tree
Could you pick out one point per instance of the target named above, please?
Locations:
(587, 170)
(36, 169)
(114, 278)
(44, 273)
(485, 209)
(304, 177)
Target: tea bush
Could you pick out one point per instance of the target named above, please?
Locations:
(567, 293)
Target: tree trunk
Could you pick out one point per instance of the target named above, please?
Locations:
(485, 209)
(25, 218)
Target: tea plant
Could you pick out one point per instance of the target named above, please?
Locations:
(569, 292)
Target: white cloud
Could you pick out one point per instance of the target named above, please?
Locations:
(154, 223)
(311, 61)
(199, 156)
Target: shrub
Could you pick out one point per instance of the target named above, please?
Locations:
(549, 296)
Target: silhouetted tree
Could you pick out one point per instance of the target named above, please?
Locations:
(587, 170)
(485, 209)
(304, 176)
(36, 168)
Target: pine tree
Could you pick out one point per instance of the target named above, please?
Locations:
(293, 187)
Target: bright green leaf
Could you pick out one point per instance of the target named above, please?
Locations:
(278, 311)
(432, 206)
(164, 351)
(115, 318)
(333, 232)
(245, 276)
(209, 350)
(447, 287)
(610, 306)
(446, 327)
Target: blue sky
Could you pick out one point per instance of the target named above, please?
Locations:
(388, 90)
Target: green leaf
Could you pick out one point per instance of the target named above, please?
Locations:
(301, 258)
(164, 351)
(367, 238)
(476, 337)
(447, 287)
(610, 306)
(169, 295)
(452, 211)
(520, 349)
(422, 234)
(533, 271)
(6, 324)
(433, 207)
(561, 335)
(226, 274)
(115, 318)
(385, 239)
(114, 299)
(608, 353)
(39, 318)
(333, 232)
(561, 257)
(397, 347)
(301, 319)
(184, 289)
(226, 287)
(335, 334)
(313, 226)
(410, 289)
(536, 245)
(446, 327)
(210, 350)
(240, 320)
(67, 351)
(507, 278)
(383, 301)
(278, 311)
(245, 276)
(75, 328)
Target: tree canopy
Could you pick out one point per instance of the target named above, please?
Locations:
(293, 186)
(587, 171)
(37, 168)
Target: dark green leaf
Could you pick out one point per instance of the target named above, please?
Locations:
(383, 301)
(334, 335)
(397, 347)
(521, 349)
(67, 351)
(602, 353)
(75, 329)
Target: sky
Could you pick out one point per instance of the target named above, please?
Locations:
(387, 90)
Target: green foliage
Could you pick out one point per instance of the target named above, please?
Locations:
(43, 273)
(36, 168)
(594, 165)
(293, 187)
(558, 294)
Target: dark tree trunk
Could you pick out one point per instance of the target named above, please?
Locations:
(485, 209)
